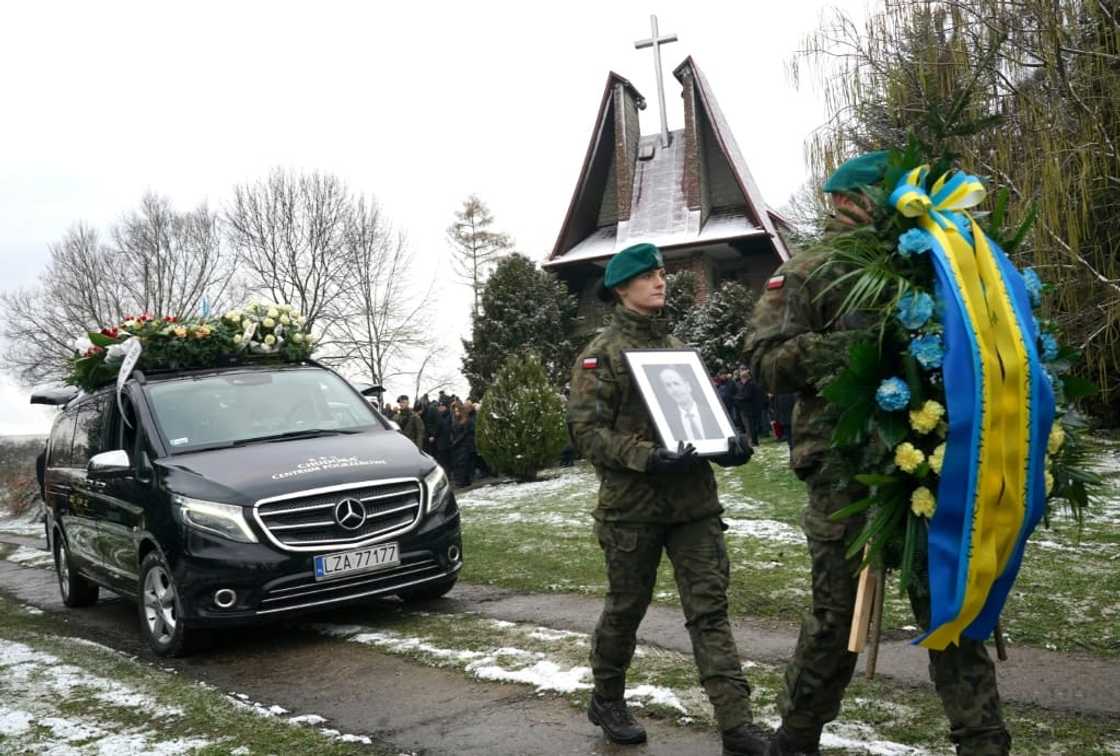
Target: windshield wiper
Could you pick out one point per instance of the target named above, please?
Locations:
(288, 435)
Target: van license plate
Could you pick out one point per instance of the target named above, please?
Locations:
(379, 557)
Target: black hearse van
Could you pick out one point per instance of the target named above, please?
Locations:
(231, 495)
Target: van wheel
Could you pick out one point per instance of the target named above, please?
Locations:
(429, 592)
(76, 590)
(161, 609)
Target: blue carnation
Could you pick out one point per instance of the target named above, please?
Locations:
(893, 395)
(1034, 286)
(928, 351)
(1049, 347)
(915, 309)
(914, 242)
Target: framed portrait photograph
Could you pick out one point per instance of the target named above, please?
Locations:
(680, 398)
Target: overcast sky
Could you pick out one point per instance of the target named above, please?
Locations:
(418, 104)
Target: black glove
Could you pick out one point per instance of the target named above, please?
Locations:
(738, 452)
(681, 460)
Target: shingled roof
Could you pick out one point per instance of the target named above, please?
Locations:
(696, 191)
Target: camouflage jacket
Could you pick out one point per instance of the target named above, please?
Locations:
(412, 427)
(798, 344)
(611, 427)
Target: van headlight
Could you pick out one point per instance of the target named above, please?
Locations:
(439, 489)
(225, 520)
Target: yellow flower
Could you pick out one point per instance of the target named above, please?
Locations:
(237, 338)
(201, 332)
(130, 323)
(270, 339)
(1057, 438)
(297, 338)
(1049, 482)
(181, 332)
(285, 320)
(928, 417)
(233, 316)
(937, 458)
(268, 323)
(273, 312)
(922, 502)
(908, 457)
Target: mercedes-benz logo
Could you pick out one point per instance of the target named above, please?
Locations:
(350, 514)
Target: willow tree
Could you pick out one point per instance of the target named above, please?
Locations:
(1026, 93)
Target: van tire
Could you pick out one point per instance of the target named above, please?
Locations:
(161, 609)
(76, 590)
(429, 592)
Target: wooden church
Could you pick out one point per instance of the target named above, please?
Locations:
(688, 191)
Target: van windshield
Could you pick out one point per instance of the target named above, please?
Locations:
(241, 407)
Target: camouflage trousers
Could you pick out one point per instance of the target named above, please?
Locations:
(701, 568)
(822, 666)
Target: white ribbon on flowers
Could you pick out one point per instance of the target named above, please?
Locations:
(247, 333)
(132, 349)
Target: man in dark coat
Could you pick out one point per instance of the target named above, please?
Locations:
(652, 500)
(430, 415)
(443, 436)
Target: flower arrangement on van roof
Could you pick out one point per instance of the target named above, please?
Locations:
(257, 331)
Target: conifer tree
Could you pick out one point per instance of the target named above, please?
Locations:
(475, 246)
(521, 424)
(522, 308)
(720, 326)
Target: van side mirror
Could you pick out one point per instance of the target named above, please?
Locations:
(110, 464)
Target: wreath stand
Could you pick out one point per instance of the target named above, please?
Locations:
(867, 621)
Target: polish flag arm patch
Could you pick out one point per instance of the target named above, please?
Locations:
(775, 282)
(590, 363)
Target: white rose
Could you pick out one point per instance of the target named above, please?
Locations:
(237, 338)
(297, 338)
(270, 339)
(285, 320)
(268, 323)
(273, 312)
(233, 315)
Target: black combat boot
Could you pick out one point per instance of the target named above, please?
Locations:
(747, 739)
(618, 724)
(784, 744)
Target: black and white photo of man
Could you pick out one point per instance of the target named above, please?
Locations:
(689, 417)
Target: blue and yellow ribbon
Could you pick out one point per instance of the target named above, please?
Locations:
(1000, 407)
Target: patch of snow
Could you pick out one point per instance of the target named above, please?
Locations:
(864, 739)
(550, 635)
(766, 530)
(240, 751)
(70, 729)
(31, 557)
(14, 721)
(28, 523)
(543, 675)
(28, 609)
(655, 694)
(20, 663)
(354, 739)
(502, 623)
(307, 719)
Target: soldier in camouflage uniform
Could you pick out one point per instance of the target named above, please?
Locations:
(653, 499)
(798, 343)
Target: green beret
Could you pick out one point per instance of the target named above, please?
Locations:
(861, 170)
(630, 262)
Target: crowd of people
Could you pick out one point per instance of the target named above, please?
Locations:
(754, 410)
(445, 429)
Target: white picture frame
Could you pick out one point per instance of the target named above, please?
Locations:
(680, 398)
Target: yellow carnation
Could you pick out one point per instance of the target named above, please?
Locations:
(1057, 438)
(273, 312)
(1049, 482)
(928, 417)
(270, 339)
(922, 502)
(908, 457)
(297, 338)
(937, 458)
(285, 320)
(237, 338)
(181, 332)
(268, 323)
(233, 316)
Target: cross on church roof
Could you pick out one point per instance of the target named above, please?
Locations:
(655, 41)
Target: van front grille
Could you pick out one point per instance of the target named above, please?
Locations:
(342, 517)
